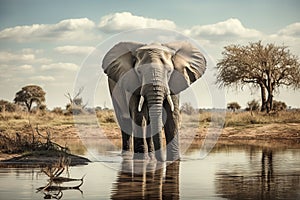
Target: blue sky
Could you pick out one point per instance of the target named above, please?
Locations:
(46, 42)
(265, 15)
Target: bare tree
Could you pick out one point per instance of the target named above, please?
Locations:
(187, 108)
(267, 67)
(76, 105)
(76, 99)
(30, 94)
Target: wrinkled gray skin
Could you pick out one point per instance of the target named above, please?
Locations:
(145, 82)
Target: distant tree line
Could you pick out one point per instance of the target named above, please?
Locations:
(32, 98)
(255, 106)
(252, 105)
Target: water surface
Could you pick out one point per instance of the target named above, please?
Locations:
(246, 170)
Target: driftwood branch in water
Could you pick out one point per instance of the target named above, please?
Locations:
(50, 187)
(54, 187)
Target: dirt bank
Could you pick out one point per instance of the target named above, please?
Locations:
(262, 132)
(252, 131)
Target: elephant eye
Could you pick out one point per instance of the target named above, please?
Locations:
(162, 61)
(138, 71)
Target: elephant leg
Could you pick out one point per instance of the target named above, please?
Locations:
(139, 132)
(126, 129)
(149, 141)
(122, 114)
(171, 128)
(126, 133)
(126, 142)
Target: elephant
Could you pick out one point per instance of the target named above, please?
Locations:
(144, 82)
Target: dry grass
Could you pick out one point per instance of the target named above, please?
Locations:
(63, 125)
(12, 122)
(49, 118)
(22, 122)
(239, 119)
(106, 116)
(246, 118)
(34, 141)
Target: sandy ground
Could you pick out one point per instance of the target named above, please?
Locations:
(259, 131)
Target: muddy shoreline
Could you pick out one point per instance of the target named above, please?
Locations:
(39, 159)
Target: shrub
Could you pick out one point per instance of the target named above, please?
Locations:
(74, 109)
(57, 110)
(253, 105)
(187, 108)
(106, 116)
(233, 106)
(279, 106)
(18, 116)
(7, 106)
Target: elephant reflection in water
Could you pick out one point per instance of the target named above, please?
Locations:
(147, 180)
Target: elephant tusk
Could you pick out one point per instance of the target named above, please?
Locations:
(170, 101)
(141, 102)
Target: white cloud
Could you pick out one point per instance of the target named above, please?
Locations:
(75, 50)
(26, 57)
(26, 67)
(126, 21)
(229, 29)
(292, 30)
(42, 78)
(64, 30)
(60, 66)
(8, 57)
(32, 51)
(288, 36)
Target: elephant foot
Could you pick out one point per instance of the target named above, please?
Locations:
(140, 156)
(126, 155)
(151, 156)
(173, 158)
(159, 156)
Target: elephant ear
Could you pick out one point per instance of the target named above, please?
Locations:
(189, 64)
(118, 64)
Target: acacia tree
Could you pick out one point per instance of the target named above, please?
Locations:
(267, 67)
(30, 94)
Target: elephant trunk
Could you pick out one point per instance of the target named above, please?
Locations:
(155, 105)
(155, 90)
